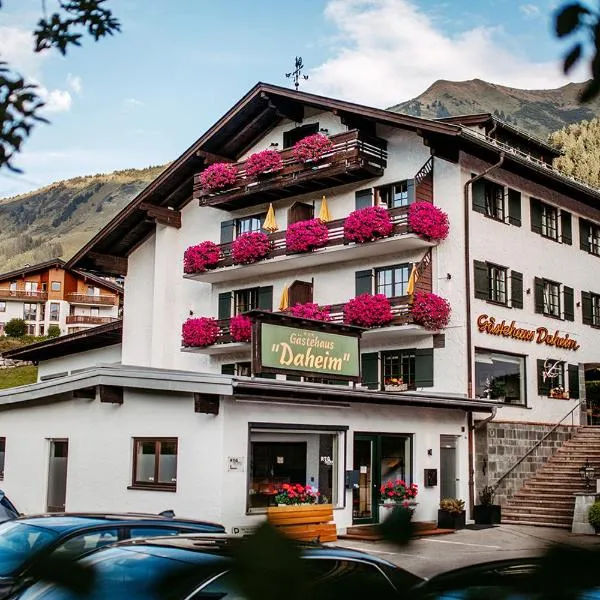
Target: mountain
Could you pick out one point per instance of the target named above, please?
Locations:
(56, 220)
(539, 112)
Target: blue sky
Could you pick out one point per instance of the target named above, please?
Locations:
(143, 96)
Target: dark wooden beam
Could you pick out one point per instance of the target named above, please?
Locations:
(249, 127)
(206, 403)
(111, 393)
(211, 158)
(85, 393)
(113, 265)
(181, 193)
(356, 122)
(294, 111)
(162, 215)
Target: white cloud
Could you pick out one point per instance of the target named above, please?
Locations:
(387, 51)
(17, 49)
(131, 104)
(74, 82)
(530, 11)
(56, 100)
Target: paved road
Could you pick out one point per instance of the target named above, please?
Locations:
(429, 556)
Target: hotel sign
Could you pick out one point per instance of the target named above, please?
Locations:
(541, 335)
(289, 349)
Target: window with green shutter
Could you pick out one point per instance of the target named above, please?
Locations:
(424, 367)
(363, 198)
(265, 297)
(584, 234)
(536, 215)
(363, 282)
(227, 231)
(516, 289)
(587, 308)
(482, 282)
(369, 367)
(566, 232)
(225, 305)
(538, 294)
(543, 384)
(569, 303)
(514, 207)
(478, 195)
(573, 381)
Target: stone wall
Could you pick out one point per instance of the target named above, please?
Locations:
(498, 446)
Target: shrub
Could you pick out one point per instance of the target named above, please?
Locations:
(368, 310)
(218, 176)
(452, 505)
(240, 328)
(201, 257)
(200, 332)
(267, 161)
(367, 224)
(486, 495)
(431, 311)
(428, 221)
(305, 236)
(594, 515)
(312, 147)
(53, 331)
(250, 247)
(15, 328)
(310, 310)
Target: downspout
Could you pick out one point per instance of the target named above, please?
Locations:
(467, 215)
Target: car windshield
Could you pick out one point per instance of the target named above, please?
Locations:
(18, 542)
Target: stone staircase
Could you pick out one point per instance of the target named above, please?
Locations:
(547, 498)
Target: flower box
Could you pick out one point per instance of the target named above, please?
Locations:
(312, 148)
(451, 520)
(431, 311)
(428, 221)
(368, 224)
(263, 163)
(487, 514)
(395, 387)
(218, 176)
(305, 236)
(304, 522)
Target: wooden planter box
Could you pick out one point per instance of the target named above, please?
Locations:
(305, 522)
(487, 514)
(447, 520)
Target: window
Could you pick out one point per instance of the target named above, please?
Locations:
(492, 284)
(309, 457)
(245, 300)
(86, 542)
(497, 279)
(155, 463)
(556, 379)
(2, 455)
(94, 311)
(397, 370)
(552, 297)
(392, 281)
(596, 309)
(397, 194)
(92, 291)
(242, 369)
(29, 311)
(12, 286)
(549, 221)
(54, 311)
(496, 201)
(499, 376)
(590, 308)
(30, 329)
(31, 287)
(249, 224)
(55, 286)
(2, 305)
(42, 311)
(594, 239)
(238, 301)
(589, 237)
(146, 532)
(42, 329)
(295, 135)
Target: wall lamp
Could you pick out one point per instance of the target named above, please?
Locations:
(323, 130)
(448, 276)
(528, 291)
(274, 144)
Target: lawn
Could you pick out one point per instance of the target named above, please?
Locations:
(15, 376)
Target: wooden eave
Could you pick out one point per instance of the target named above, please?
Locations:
(54, 263)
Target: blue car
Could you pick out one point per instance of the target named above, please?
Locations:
(27, 540)
(8, 512)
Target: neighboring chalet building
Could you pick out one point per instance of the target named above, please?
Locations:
(325, 403)
(49, 294)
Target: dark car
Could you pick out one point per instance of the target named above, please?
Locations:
(8, 512)
(27, 540)
(199, 567)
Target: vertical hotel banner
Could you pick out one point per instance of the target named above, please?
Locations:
(282, 349)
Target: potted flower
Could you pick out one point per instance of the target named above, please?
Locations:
(394, 494)
(430, 310)
(240, 328)
(310, 310)
(296, 493)
(594, 516)
(368, 224)
(218, 176)
(312, 148)
(200, 332)
(250, 247)
(486, 512)
(428, 221)
(199, 258)
(395, 384)
(368, 310)
(558, 392)
(263, 163)
(451, 514)
(305, 236)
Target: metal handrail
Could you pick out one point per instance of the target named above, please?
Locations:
(537, 445)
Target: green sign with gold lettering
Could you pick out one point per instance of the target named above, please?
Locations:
(292, 349)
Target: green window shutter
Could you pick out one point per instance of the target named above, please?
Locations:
(265, 297)
(369, 368)
(225, 305)
(514, 207)
(482, 280)
(574, 381)
(584, 232)
(228, 369)
(478, 194)
(566, 231)
(568, 299)
(410, 189)
(364, 282)
(363, 198)
(516, 289)
(227, 228)
(543, 386)
(292, 377)
(267, 375)
(586, 308)
(538, 285)
(424, 367)
(536, 216)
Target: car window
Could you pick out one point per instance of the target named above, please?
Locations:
(18, 542)
(86, 542)
(143, 532)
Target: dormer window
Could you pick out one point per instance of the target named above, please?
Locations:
(298, 133)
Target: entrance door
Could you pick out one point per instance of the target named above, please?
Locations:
(57, 475)
(448, 469)
(364, 498)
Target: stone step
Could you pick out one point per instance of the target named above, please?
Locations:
(547, 489)
(536, 518)
(546, 496)
(520, 507)
(575, 456)
(536, 523)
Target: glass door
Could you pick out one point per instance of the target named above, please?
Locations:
(57, 475)
(448, 468)
(365, 496)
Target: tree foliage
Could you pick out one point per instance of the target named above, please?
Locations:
(15, 328)
(580, 144)
(53, 331)
(20, 104)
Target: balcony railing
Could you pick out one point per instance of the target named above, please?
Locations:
(89, 320)
(91, 299)
(354, 157)
(23, 295)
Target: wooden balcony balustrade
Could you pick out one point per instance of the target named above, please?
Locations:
(91, 299)
(89, 320)
(37, 295)
(354, 157)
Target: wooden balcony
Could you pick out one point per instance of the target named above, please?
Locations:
(89, 320)
(354, 157)
(337, 250)
(37, 296)
(91, 299)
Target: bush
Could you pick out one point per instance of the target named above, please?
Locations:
(305, 236)
(201, 332)
(267, 161)
(250, 247)
(218, 176)
(431, 311)
(15, 328)
(240, 328)
(53, 331)
(428, 221)
(594, 515)
(201, 257)
(312, 147)
(368, 224)
(368, 310)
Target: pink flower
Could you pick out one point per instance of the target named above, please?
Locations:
(240, 328)
(310, 310)
(368, 310)
(430, 311)
(304, 236)
(428, 221)
(312, 147)
(200, 332)
(197, 259)
(262, 162)
(250, 247)
(367, 224)
(218, 176)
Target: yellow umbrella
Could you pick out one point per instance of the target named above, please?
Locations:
(412, 280)
(270, 224)
(324, 211)
(285, 299)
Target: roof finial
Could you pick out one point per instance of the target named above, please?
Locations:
(296, 73)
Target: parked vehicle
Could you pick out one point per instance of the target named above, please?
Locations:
(195, 567)
(8, 512)
(27, 540)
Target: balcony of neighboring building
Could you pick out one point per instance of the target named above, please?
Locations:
(25, 295)
(93, 299)
(89, 320)
(353, 157)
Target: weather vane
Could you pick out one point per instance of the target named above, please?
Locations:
(296, 73)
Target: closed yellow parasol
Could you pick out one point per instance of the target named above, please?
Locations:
(324, 211)
(270, 224)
